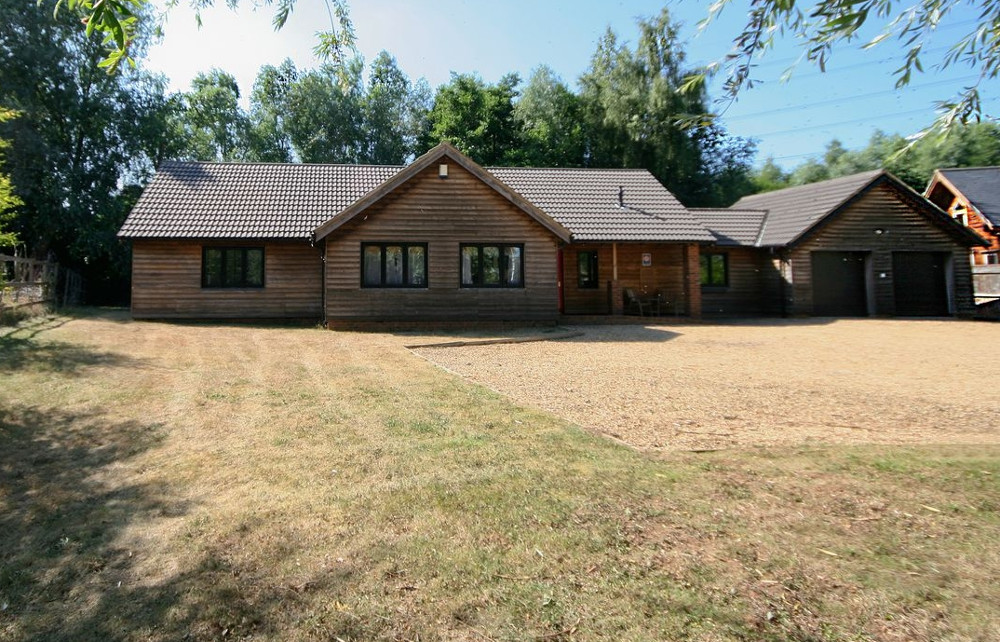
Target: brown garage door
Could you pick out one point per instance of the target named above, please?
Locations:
(918, 281)
(839, 284)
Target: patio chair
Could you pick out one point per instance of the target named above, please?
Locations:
(633, 302)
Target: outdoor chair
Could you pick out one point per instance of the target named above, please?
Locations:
(643, 306)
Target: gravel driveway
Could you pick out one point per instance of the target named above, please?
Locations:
(761, 383)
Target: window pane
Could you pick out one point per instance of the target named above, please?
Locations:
(417, 257)
(491, 265)
(587, 269)
(718, 269)
(373, 265)
(705, 276)
(394, 265)
(213, 268)
(470, 266)
(233, 268)
(513, 267)
(255, 268)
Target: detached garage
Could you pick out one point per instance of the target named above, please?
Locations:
(861, 245)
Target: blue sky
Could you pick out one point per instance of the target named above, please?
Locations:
(791, 121)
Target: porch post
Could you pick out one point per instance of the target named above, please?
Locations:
(616, 302)
(692, 280)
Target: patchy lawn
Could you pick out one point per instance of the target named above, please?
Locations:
(162, 481)
(759, 383)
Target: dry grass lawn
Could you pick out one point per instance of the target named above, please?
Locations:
(167, 481)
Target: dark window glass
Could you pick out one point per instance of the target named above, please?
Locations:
(372, 268)
(232, 267)
(393, 265)
(714, 270)
(417, 255)
(492, 266)
(586, 269)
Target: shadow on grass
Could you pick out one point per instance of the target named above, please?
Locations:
(61, 519)
(74, 511)
(26, 348)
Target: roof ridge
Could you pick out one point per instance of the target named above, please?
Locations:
(275, 164)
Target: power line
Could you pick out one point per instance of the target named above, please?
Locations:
(844, 122)
(844, 99)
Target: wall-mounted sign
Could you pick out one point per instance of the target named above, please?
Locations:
(647, 259)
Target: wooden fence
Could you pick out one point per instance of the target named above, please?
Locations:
(29, 282)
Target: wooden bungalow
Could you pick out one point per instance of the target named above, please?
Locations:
(971, 195)
(439, 239)
(861, 245)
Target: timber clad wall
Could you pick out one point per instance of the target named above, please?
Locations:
(753, 284)
(853, 230)
(443, 213)
(166, 282)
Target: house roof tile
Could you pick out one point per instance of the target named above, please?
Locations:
(732, 226)
(586, 201)
(261, 200)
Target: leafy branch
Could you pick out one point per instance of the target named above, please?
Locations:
(119, 22)
(823, 25)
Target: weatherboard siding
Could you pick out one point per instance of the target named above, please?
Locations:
(854, 230)
(166, 282)
(753, 284)
(443, 213)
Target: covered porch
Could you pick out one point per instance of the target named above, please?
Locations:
(619, 278)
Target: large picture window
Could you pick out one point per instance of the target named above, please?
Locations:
(232, 267)
(394, 265)
(586, 269)
(714, 270)
(492, 266)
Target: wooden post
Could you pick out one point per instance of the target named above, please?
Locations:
(616, 299)
(692, 280)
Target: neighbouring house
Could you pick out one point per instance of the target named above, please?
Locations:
(860, 245)
(439, 239)
(445, 239)
(971, 195)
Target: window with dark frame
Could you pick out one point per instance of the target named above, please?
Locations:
(715, 270)
(491, 266)
(394, 265)
(586, 269)
(232, 267)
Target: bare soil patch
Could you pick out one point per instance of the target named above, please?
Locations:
(691, 387)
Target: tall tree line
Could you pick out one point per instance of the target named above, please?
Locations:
(630, 111)
(971, 145)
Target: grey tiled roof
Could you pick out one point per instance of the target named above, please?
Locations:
(247, 200)
(981, 186)
(732, 226)
(794, 210)
(585, 201)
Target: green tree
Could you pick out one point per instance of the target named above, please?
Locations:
(81, 140)
(476, 117)
(769, 177)
(215, 126)
(268, 140)
(639, 113)
(550, 122)
(8, 199)
(324, 114)
(393, 111)
(820, 26)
